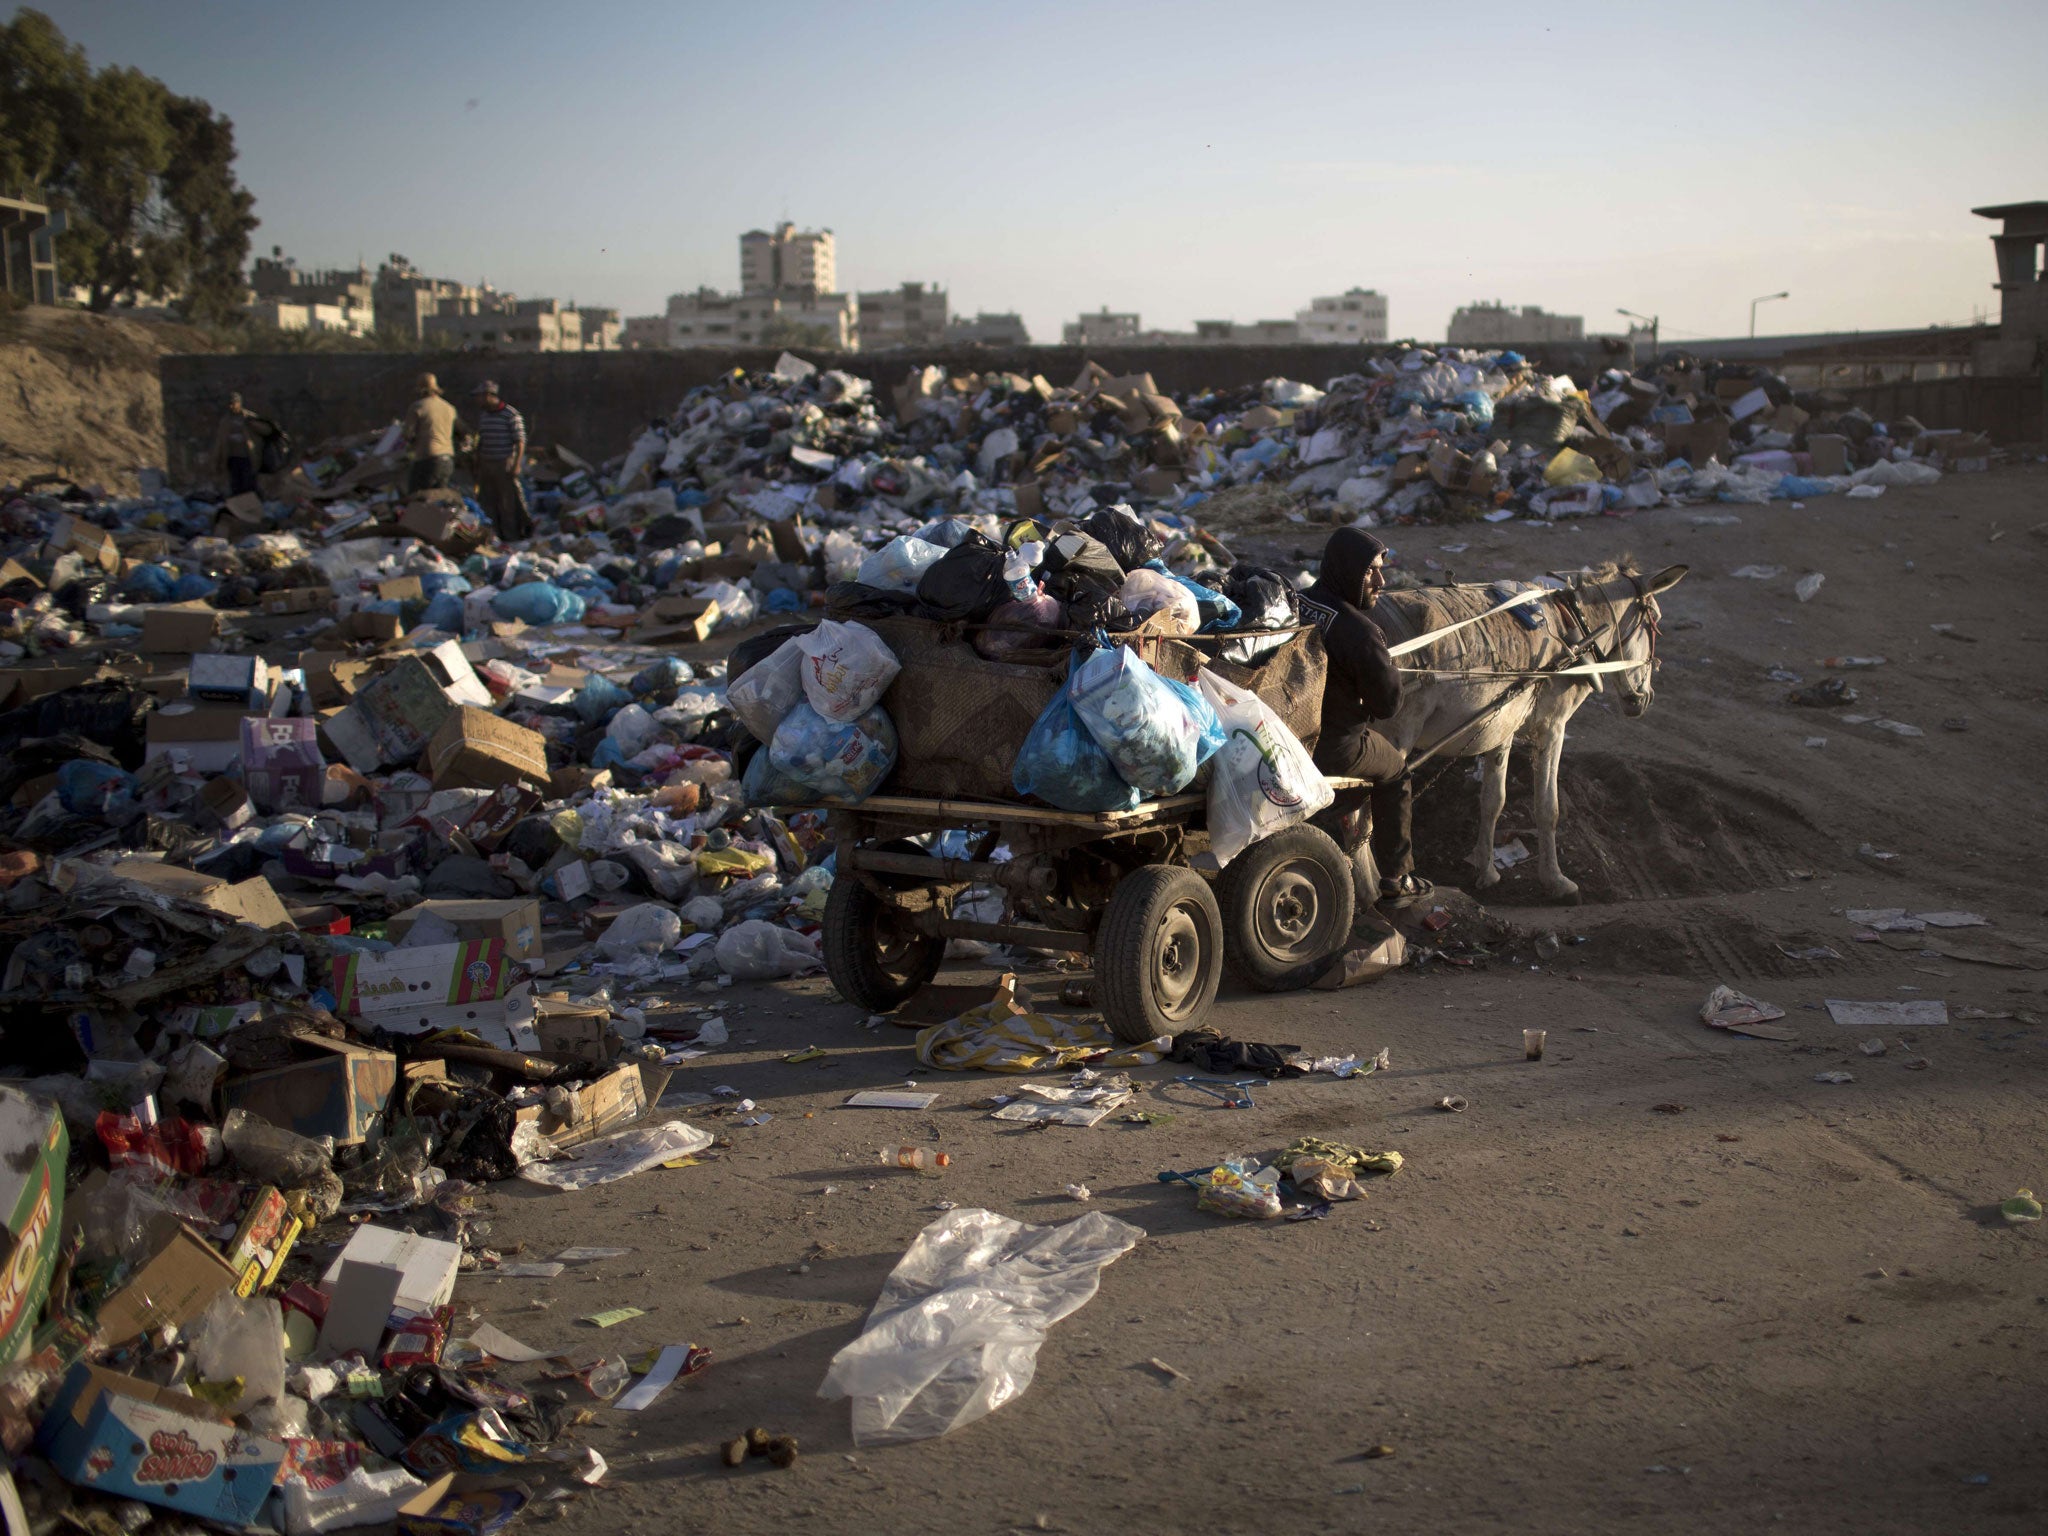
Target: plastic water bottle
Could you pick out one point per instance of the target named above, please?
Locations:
(922, 1160)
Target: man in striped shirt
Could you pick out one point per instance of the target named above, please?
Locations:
(500, 456)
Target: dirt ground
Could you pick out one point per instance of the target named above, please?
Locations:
(1662, 1279)
(79, 395)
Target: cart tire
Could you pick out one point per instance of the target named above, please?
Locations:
(1288, 902)
(1159, 953)
(874, 954)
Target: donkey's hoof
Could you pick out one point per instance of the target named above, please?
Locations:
(1484, 875)
(1564, 891)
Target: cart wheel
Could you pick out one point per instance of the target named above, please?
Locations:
(874, 954)
(1159, 954)
(1288, 901)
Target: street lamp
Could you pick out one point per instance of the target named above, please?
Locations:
(1752, 309)
(1649, 320)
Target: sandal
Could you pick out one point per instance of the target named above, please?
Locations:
(1405, 891)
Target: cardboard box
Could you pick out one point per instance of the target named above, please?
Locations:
(426, 1265)
(573, 1031)
(440, 1510)
(399, 981)
(404, 707)
(170, 629)
(198, 738)
(223, 679)
(282, 767)
(298, 600)
(226, 804)
(688, 618)
(514, 922)
(1829, 452)
(126, 1438)
(341, 1092)
(610, 1103)
(172, 1288)
(33, 1151)
(475, 749)
(88, 539)
(491, 818)
(262, 1240)
(401, 589)
(1459, 472)
(1697, 441)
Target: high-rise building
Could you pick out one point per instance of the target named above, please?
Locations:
(771, 261)
(1355, 316)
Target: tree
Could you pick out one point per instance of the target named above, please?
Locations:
(145, 178)
(785, 332)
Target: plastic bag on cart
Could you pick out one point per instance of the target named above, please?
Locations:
(1147, 592)
(766, 785)
(836, 760)
(1062, 765)
(1150, 731)
(1265, 601)
(846, 669)
(1263, 778)
(899, 564)
(956, 1331)
(1016, 629)
(770, 689)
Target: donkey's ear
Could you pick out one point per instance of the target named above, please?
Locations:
(1667, 578)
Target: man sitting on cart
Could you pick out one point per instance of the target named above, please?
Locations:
(1363, 686)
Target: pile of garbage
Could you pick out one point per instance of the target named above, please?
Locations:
(352, 860)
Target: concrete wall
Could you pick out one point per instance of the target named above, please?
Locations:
(596, 403)
(2011, 410)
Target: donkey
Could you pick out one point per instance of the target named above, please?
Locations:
(1469, 695)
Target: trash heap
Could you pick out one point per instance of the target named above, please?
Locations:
(351, 860)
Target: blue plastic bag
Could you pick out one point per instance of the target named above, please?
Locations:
(835, 760)
(599, 699)
(766, 785)
(86, 788)
(1477, 405)
(1803, 487)
(444, 612)
(669, 672)
(538, 602)
(1209, 732)
(946, 532)
(150, 584)
(1144, 724)
(1061, 764)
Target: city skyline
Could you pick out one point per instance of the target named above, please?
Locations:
(487, 143)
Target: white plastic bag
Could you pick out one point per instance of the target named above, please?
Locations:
(768, 690)
(241, 1338)
(1891, 472)
(846, 669)
(620, 1156)
(1263, 779)
(643, 931)
(1146, 592)
(955, 1333)
(764, 951)
(835, 760)
(899, 564)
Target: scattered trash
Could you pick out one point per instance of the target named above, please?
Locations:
(1828, 693)
(1080, 1193)
(1509, 854)
(2022, 1207)
(1741, 1014)
(1452, 1104)
(1532, 1044)
(1808, 586)
(956, 1330)
(1834, 1077)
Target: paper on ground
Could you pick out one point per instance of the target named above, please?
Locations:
(500, 1345)
(1917, 1013)
(667, 1366)
(527, 1271)
(590, 1255)
(884, 1098)
(617, 1157)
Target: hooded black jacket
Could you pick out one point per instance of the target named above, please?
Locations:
(1363, 684)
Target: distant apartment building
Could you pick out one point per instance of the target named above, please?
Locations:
(708, 318)
(288, 315)
(1358, 315)
(1100, 329)
(603, 330)
(512, 325)
(773, 260)
(984, 330)
(911, 315)
(644, 333)
(406, 298)
(1495, 325)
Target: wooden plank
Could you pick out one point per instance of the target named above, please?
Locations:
(1003, 810)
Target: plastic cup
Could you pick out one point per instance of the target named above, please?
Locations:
(1532, 1044)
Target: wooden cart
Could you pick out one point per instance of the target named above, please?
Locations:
(1124, 887)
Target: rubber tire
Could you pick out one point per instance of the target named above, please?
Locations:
(1247, 956)
(854, 916)
(1128, 955)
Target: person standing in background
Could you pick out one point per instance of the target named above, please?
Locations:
(500, 456)
(235, 448)
(430, 434)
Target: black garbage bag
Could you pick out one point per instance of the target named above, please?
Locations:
(1131, 541)
(856, 600)
(755, 649)
(1264, 598)
(110, 714)
(966, 583)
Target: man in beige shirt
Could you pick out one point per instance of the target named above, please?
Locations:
(430, 434)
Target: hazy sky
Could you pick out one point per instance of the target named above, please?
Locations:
(1186, 160)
